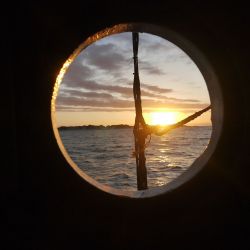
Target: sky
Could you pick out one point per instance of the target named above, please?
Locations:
(97, 88)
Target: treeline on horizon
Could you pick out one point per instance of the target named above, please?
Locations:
(119, 126)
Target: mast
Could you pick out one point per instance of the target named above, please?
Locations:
(139, 127)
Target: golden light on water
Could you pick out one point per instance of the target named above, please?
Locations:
(162, 118)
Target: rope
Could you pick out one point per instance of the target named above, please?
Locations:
(159, 131)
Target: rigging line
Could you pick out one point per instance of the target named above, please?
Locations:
(157, 131)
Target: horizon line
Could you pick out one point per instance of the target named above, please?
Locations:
(122, 124)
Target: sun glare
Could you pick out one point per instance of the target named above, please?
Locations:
(162, 118)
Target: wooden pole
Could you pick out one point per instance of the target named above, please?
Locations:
(139, 134)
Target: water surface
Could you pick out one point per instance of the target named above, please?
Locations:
(106, 154)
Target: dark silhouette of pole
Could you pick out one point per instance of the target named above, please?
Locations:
(139, 127)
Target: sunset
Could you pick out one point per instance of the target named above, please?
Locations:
(126, 125)
(162, 118)
(118, 94)
(97, 87)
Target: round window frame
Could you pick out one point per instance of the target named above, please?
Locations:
(214, 91)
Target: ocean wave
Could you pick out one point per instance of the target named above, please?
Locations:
(107, 156)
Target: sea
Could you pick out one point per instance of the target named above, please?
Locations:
(107, 154)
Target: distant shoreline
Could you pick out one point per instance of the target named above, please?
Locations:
(102, 127)
(120, 126)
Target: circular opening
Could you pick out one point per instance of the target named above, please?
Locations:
(98, 79)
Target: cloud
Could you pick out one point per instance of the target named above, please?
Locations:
(110, 58)
(63, 108)
(156, 89)
(105, 57)
(182, 100)
(92, 85)
(126, 92)
(101, 91)
(122, 90)
(98, 79)
(95, 100)
(80, 94)
(149, 68)
(78, 72)
(147, 103)
(156, 43)
(88, 102)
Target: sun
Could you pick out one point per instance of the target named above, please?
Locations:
(162, 118)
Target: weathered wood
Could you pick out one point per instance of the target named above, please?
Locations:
(139, 135)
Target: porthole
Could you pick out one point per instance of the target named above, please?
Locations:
(94, 110)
